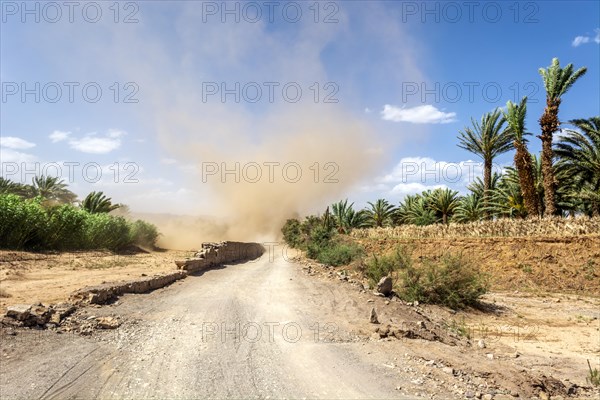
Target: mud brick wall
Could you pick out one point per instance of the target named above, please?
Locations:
(213, 254)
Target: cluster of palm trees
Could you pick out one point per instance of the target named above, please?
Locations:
(54, 190)
(563, 180)
(429, 207)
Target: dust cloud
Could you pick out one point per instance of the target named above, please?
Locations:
(291, 163)
(251, 165)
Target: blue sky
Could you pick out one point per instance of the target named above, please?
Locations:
(406, 78)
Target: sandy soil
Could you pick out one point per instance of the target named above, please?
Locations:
(271, 328)
(48, 278)
(533, 264)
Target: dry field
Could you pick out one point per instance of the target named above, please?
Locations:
(546, 227)
(550, 255)
(51, 277)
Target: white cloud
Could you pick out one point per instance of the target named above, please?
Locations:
(59, 136)
(115, 133)
(367, 110)
(95, 145)
(403, 189)
(426, 114)
(92, 143)
(12, 156)
(426, 170)
(579, 40)
(11, 142)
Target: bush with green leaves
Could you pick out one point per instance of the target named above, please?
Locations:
(450, 281)
(105, 231)
(337, 253)
(65, 229)
(292, 233)
(144, 233)
(318, 238)
(387, 264)
(320, 241)
(27, 224)
(20, 222)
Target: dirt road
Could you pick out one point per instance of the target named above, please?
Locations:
(254, 330)
(277, 329)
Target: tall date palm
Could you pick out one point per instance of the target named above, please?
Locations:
(515, 116)
(486, 139)
(557, 81)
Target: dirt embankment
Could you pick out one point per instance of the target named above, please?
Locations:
(537, 264)
(96, 277)
(27, 277)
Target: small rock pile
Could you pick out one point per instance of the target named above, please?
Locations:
(61, 317)
(37, 315)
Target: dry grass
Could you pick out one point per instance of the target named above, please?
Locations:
(4, 293)
(546, 227)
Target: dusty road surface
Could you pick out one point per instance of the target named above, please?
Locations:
(255, 330)
(270, 328)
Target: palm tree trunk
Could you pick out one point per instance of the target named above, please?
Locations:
(595, 209)
(524, 166)
(487, 183)
(549, 124)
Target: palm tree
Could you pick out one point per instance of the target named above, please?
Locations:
(515, 116)
(538, 179)
(356, 219)
(51, 188)
(477, 186)
(469, 209)
(381, 212)
(557, 81)
(415, 210)
(443, 201)
(327, 221)
(579, 159)
(340, 214)
(97, 202)
(506, 200)
(486, 139)
(9, 187)
(403, 212)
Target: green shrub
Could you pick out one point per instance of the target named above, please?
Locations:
(451, 281)
(309, 224)
(320, 241)
(326, 247)
(378, 267)
(321, 235)
(20, 222)
(103, 231)
(319, 238)
(292, 233)
(65, 229)
(32, 224)
(144, 233)
(336, 254)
